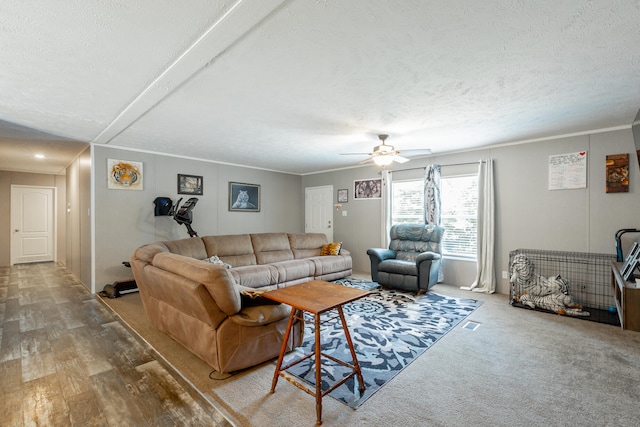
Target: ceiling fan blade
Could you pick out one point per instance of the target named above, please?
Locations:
(400, 159)
(367, 160)
(355, 154)
(416, 152)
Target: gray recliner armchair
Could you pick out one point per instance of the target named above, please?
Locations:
(413, 260)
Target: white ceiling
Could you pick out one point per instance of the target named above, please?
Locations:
(288, 85)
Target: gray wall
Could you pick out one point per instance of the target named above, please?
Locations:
(125, 219)
(360, 229)
(77, 208)
(7, 179)
(528, 215)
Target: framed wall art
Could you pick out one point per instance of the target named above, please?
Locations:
(617, 173)
(244, 197)
(343, 195)
(124, 175)
(190, 184)
(367, 189)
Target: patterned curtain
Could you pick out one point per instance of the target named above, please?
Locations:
(432, 206)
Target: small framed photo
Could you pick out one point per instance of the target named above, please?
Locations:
(244, 197)
(367, 189)
(190, 184)
(343, 196)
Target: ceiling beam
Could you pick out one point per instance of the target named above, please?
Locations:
(241, 18)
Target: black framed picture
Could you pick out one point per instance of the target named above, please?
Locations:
(367, 189)
(190, 184)
(244, 197)
(343, 195)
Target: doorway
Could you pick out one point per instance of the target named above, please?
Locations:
(32, 224)
(318, 211)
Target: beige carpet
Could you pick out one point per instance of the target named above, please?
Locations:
(519, 367)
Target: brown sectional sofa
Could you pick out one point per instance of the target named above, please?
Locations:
(199, 304)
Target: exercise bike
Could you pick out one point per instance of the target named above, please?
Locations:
(184, 216)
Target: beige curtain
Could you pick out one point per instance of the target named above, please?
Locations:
(486, 273)
(386, 208)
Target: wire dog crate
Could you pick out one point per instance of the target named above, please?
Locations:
(589, 277)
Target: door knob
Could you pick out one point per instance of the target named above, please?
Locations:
(16, 230)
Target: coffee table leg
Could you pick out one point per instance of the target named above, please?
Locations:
(318, 371)
(283, 350)
(353, 352)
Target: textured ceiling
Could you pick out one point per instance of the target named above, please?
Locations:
(289, 85)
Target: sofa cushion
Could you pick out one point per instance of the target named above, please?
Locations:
(192, 247)
(294, 269)
(330, 264)
(399, 267)
(235, 249)
(306, 245)
(256, 276)
(271, 247)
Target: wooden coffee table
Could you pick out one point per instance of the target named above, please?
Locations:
(316, 297)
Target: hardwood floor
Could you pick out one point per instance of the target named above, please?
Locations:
(65, 360)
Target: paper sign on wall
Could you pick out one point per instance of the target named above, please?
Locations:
(568, 171)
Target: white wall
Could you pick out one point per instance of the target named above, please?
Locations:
(528, 215)
(125, 219)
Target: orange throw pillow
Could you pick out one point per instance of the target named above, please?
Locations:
(331, 248)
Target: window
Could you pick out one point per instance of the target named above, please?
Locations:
(459, 215)
(459, 196)
(408, 201)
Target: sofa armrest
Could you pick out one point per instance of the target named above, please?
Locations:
(381, 254)
(217, 279)
(427, 256)
(377, 255)
(428, 264)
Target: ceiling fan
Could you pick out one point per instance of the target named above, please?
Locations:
(384, 154)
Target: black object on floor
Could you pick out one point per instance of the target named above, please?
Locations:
(120, 287)
(595, 314)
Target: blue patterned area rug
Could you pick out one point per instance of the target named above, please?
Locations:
(389, 329)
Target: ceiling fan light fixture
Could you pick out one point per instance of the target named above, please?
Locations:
(383, 149)
(383, 160)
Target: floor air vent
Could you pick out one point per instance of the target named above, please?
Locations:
(471, 325)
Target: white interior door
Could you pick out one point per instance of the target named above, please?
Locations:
(318, 210)
(32, 224)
